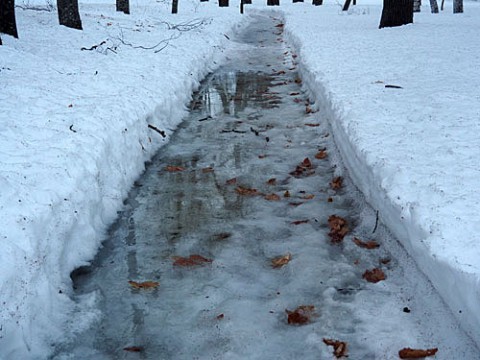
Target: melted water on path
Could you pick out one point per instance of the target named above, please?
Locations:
(249, 122)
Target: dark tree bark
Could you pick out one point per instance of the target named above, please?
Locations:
(0, 41)
(241, 6)
(396, 13)
(8, 24)
(247, 2)
(68, 14)
(434, 6)
(354, 2)
(223, 3)
(295, 1)
(457, 6)
(346, 5)
(317, 2)
(273, 2)
(123, 6)
(443, 3)
(174, 6)
(416, 5)
(203, 0)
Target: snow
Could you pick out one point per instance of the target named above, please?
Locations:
(75, 136)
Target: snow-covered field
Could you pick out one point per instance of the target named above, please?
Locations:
(75, 135)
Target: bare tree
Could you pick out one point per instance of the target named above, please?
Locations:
(295, 1)
(434, 6)
(346, 5)
(457, 6)
(417, 5)
(123, 6)
(396, 13)
(68, 14)
(8, 24)
(223, 3)
(317, 2)
(174, 6)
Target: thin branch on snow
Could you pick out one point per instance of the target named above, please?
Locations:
(158, 47)
(187, 25)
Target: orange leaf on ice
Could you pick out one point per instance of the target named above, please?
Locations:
(301, 315)
(279, 261)
(366, 245)
(172, 168)
(246, 191)
(375, 275)
(272, 197)
(143, 285)
(408, 353)
(192, 260)
(339, 347)
(322, 154)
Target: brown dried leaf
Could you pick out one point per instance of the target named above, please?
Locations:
(207, 170)
(246, 191)
(375, 275)
(279, 261)
(301, 315)
(338, 228)
(330, 199)
(286, 194)
(272, 197)
(222, 236)
(322, 154)
(272, 181)
(192, 260)
(294, 93)
(336, 183)
(144, 285)
(134, 348)
(232, 181)
(279, 25)
(339, 347)
(312, 124)
(366, 245)
(262, 156)
(308, 197)
(385, 261)
(298, 80)
(220, 316)
(173, 168)
(298, 222)
(295, 203)
(408, 353)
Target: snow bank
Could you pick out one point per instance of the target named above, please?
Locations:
(74, 136)
(412, 151)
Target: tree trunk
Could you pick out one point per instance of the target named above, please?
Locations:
(174, 6)
(457, 6)
(123, 6)
(247, 1)
(273, 2)
(68, 14)
(396, 13)
(317, 2)
(443, 3)
(346, 5)
(434, 6)
(295, 1)
(8, 24)
(416, 5)
(354, 2)
(223, 3)
(241, 6)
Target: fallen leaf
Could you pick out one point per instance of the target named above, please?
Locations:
(222, 236)
(281, 72)
(366, 245)
(303, 169)
(298, 222)
(339, 347)
(330, 199)
(144, 285)
(408, 353)
(312, 125)
(232, 181)
(286, 194)
(272, 197)
(294, 56)
(309, 110)
(375, 275)
(301, 315)
(297, 100)
(385, 261)
(172, 168)
(279, 261)
(322, 154)
(295, 203)
(133, 348)
(338, 228)
(279, 25)
(192, 260)
(262, 156)
(298, 80)
(207, 170)
(272, 181)
(294, 93)
(246, 191)
(221, 316)
(308, 197)
(336, 183)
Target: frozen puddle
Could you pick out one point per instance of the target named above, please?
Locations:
(233, 186)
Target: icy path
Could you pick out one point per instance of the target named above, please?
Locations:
(250, 128)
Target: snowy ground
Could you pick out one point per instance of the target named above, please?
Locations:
(75, 135)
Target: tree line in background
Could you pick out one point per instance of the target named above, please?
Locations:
(394, 13)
